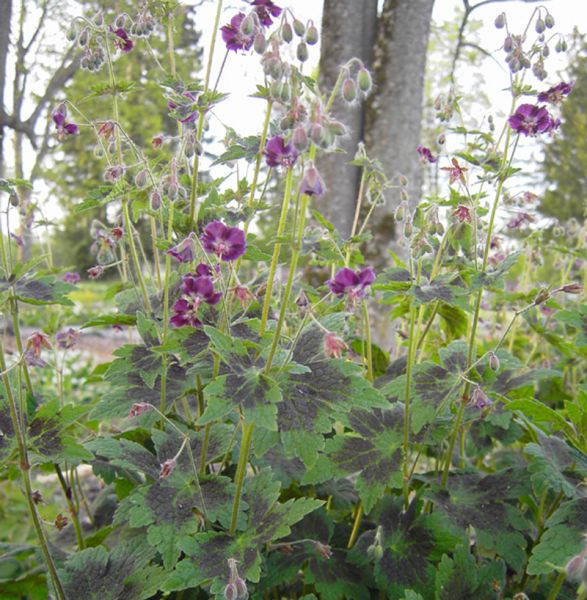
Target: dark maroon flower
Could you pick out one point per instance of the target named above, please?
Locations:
(117, 233)
(555, 94)
(96, 272)
(195, 290)
(455, 172)
(63, 127)
(279, 153)
(334, 346)
(167, 468)
(204, 270)
(426, 154)
(312, 183)
(233, 36)
(479, 399)
(228, 243)
(519, 220)
(138, 408)
(67, 338)
(34, 346)
(122, 41)
(106, 130)
(243, 294)
(350, 282)
(184, 111)
(462, 213)
(70, 277)
(531, 120)
(265, 9)
(184, 251)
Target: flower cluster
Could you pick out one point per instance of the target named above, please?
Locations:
(195, 289)
(64, 128)
(531, 120)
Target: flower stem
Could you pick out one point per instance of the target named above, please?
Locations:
(409, 365)
(369, 350)
(276, 251)
(26, 481)
(356, 525)
(73, 511)
(241, 469)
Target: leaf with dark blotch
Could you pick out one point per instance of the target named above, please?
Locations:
(313, 401)
(563, 538)
(7, 440)
(489, 504)
(462, 578)
(496, 276)
(287, 470)
(577, 319)
(40, 290)
(449, 290)
(97, 574)
(555, 466)
(126, 454)
(410, 542)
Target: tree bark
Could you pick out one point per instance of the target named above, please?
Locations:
(6, 14)
(348, 30)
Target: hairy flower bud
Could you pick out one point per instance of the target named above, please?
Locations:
(549, 21)
(542, 296)
(302, 52)
(316, 133)
(364, 80)
(375, 552)
(408, 228)
(400, 213)
(138, 408)
(84, 37)
(260, 43)
(71, 34)
(14, 199)
(299, 27)
(167, 468)
(337, 128)
(508, 43)
(155, 199)
(98, 19)
(241, 587)
(230, 592)
(312, 34)
(540, 25)
(439, 228)
(349, 90)
(141, 178)
(286, 32)
(500, 21)
(248, 25)
(120, 21)
(572, 288)
(493, 361)
(285, 95)
(299, 138)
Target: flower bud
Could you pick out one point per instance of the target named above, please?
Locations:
(500, 21)
(542, 296)
(260, 43)
(549, 21)
(84, 37)
(312, 34)
(286, 123)
(98, 19)
(439, 228)
(540, 25)
(138, 408)
(400, 213)
(14, 199)
(120, 21)
(241, 587)
(302, 52)
(349, 90)
(141, 178)
(364, 80)
(493, 361)
(403, 180)
(230, 592)
(441, 139)
(333, 345)
(299, 27)
(248, 25)
(286, 32)
(285, 95)
(299, 138)
(508, 43)
(564, 46)
(275, 90)
(71, 34)
(167, 468)
(558, 48)
(375, 552)
(337, 128)
(316, 133)
(408, 228)
(155, 199)
(572, 288)
(480, 399)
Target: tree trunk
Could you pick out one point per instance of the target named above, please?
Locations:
(6, 14)
(348, 30)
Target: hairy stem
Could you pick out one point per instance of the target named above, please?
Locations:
(241, 469)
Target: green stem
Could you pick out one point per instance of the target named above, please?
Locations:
(558, 584)
(276, 251)
(241, 469)
(406, 448)
(368, 355)
(360, 196)
(73, 511)
(356, 525)
(26, 481)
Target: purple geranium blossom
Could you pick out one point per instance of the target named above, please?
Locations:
(184, 251)
(63, 127)
(265, 9)
(312, 183)
(233, 37)
(122, 40)
(185, 110)
(426, 154)
(555, 94)
(531, 119)
(279, 153)
(350, 282)
(70, 277)
(228, 243)
(67, 338)
(195, 290)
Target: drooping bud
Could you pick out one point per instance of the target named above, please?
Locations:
(84, 37)
(61, 521)
(399, 213)
(120, 21)
(155, 199)
(248, 25)
(408, 228)
(493, 361)
(241, 588)
(549, 21)
(37, 497)
(316, 133)
(286, 32)
(96, 272)
(285, 95)
(508, 43)
(299, 138)
(572, 288)
(14, 199)
(349, 90)
(299, 27)
(439, 228)
(71, 34)
(302, 52)
(500, 21)
(333, 346)
(542, 296)
(230, 592)
(323, 549)
(540, 25)
(260, 43)
(441, 139)
(545, 51)
(141, 178)
(167, 468)
(138, 408)
(312, 34)
(337, 128)
(364, 80)
(98, 19)
(375, 552)
(479, 399)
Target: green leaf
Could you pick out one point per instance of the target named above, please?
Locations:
(42, 290)
(563, 538)
(577, 319)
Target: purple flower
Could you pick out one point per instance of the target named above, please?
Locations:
(63, 127)
(195, 290)
(70, 277)
(555, 94)
(67, 338)
(233, 37)
(479, 399)
(228, 243)
(185, 112)
(122, 40)
(265, 9)
(312, 183)
(204, 270)
(184, 251)
(17, 240)
(530, 120)
(278, 153)
(426, 154)
(350, 282)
